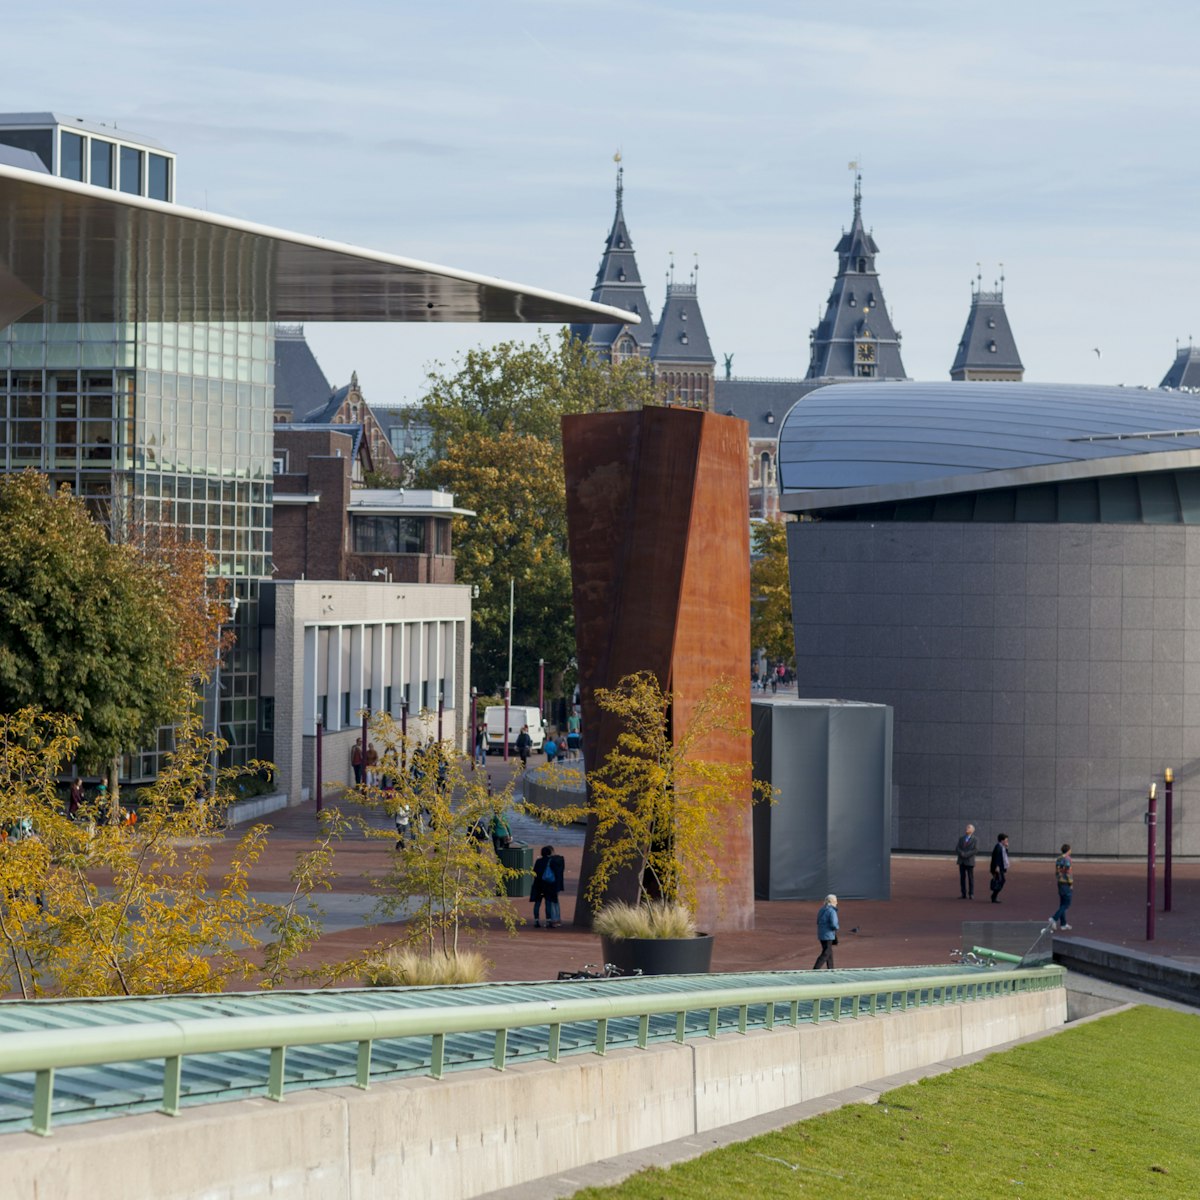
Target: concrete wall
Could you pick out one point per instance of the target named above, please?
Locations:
(1041, 675)
(477, 1131)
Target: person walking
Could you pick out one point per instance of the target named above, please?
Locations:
(966, 849)
(827, 931)
(75, 803)
(999, 867)
(1066, 885)
(550, 749)
(356, 762)
(481, 745)
(370, 763)
(524, 745)
(548, 879)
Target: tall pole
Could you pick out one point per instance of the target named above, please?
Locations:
(365, 719)
(320, 764)
(1151, 848)
(512, 608)
(1169, 776)
(542, 686)
(403, 734)
(441, 711)
(474, 725)
(507, 691)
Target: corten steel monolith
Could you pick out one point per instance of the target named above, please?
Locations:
(659, 526)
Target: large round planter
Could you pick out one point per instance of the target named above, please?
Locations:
(660, 956)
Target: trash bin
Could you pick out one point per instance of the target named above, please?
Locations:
(517, 856)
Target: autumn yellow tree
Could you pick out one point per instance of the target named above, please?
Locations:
(770, 593)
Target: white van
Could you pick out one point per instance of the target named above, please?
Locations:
(518, 715)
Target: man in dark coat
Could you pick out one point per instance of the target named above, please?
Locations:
(548, 880)
(524, 745)
(999, 867)
(966, 849)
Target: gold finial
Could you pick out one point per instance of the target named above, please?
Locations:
(617, 157)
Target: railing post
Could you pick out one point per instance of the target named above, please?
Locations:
(362, 1068)
(43, 1099)
(275, 1078)
(172, 1082)
(500, 1050)
(437, 1055)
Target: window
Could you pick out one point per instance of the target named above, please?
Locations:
(862, 265)
(131, 171)
(345, 709)
(388, 535)
(266, 710)
(158, 186)
(70, 162)
(101, 163)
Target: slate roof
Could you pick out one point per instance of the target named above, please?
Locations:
(987, 342)
(619, 283)
(1185, 370)
(902, 439)
(856, 311)
(354, 432)
(27, 160)
(761, 403)
(300, 385)
(680, 336)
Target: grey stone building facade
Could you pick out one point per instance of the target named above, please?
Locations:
(1016, 570)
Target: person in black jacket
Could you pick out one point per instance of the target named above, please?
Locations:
(548, 879)
(966, 849)
(524, 745)
(999, 866)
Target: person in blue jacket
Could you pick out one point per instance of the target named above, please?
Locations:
(548, 881)
(827, 931)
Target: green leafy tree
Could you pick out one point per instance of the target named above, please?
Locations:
(771, 599)
(444, 876)
(497, 445)
(107, 634)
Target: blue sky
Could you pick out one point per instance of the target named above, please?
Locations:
(1057, 139)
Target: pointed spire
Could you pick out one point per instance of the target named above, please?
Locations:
(858, 195)
(620, 182)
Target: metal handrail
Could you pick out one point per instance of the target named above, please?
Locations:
(45, 1051)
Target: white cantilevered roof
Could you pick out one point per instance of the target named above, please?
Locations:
(98, 255)
(865, 443)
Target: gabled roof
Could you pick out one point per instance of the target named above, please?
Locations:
(761, 403)
(300, 384)
(987, 342)
(1185, 370)
(680, 336)
(619, 285)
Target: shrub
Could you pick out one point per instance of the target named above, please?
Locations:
(655, 919)
(411, 968)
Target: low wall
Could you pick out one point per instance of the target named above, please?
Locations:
(241, 811)
(556, 787)
(476, 1131)
(1160, 976)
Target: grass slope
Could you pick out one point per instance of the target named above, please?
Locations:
(1110, 1109)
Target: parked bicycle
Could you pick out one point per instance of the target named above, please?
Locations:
(591, 971)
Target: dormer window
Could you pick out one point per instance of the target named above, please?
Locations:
(870, 299)
(851, 301)
(621, 276)
(683, 314)
(770, 418)
(683, 337)
(991, 322)
(862, 265)
(992, 347)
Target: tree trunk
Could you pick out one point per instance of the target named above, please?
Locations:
(114, 791)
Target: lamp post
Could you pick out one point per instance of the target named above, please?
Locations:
(474, 725)
(542, 687)
(1168, 790)
(441, 711)
(403, 733)
(1151, 848)
(507, 692)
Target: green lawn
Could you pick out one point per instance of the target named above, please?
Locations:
(1110, 1109)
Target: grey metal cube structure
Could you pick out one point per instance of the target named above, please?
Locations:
(830, 828)
(1015, 568)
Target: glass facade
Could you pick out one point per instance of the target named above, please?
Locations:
(70, 163)
(102, 163)
(131, 171)
(158, 424)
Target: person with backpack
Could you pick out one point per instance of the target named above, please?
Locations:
(524, 745)
(548, 881)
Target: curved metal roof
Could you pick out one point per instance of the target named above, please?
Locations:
(861, 443)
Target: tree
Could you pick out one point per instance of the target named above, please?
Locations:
(444, 876)
(112, 635)
(770, 593)
(93, 909)
(497, 445)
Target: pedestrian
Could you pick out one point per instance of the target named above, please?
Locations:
(481, 745)
(548, 878)
(551, 749)
(1066, 884)
(781, 674)
(966, 849)
(574, 731)
(370, 763)
(827, 931)
(403, 825)
(356, 762)
(524, 745)
(76, 799)
(501, 834)
(999, 866)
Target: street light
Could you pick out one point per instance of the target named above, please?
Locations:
(233, 603)
(1151, 849)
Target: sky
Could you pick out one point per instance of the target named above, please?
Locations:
(1057, 139)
